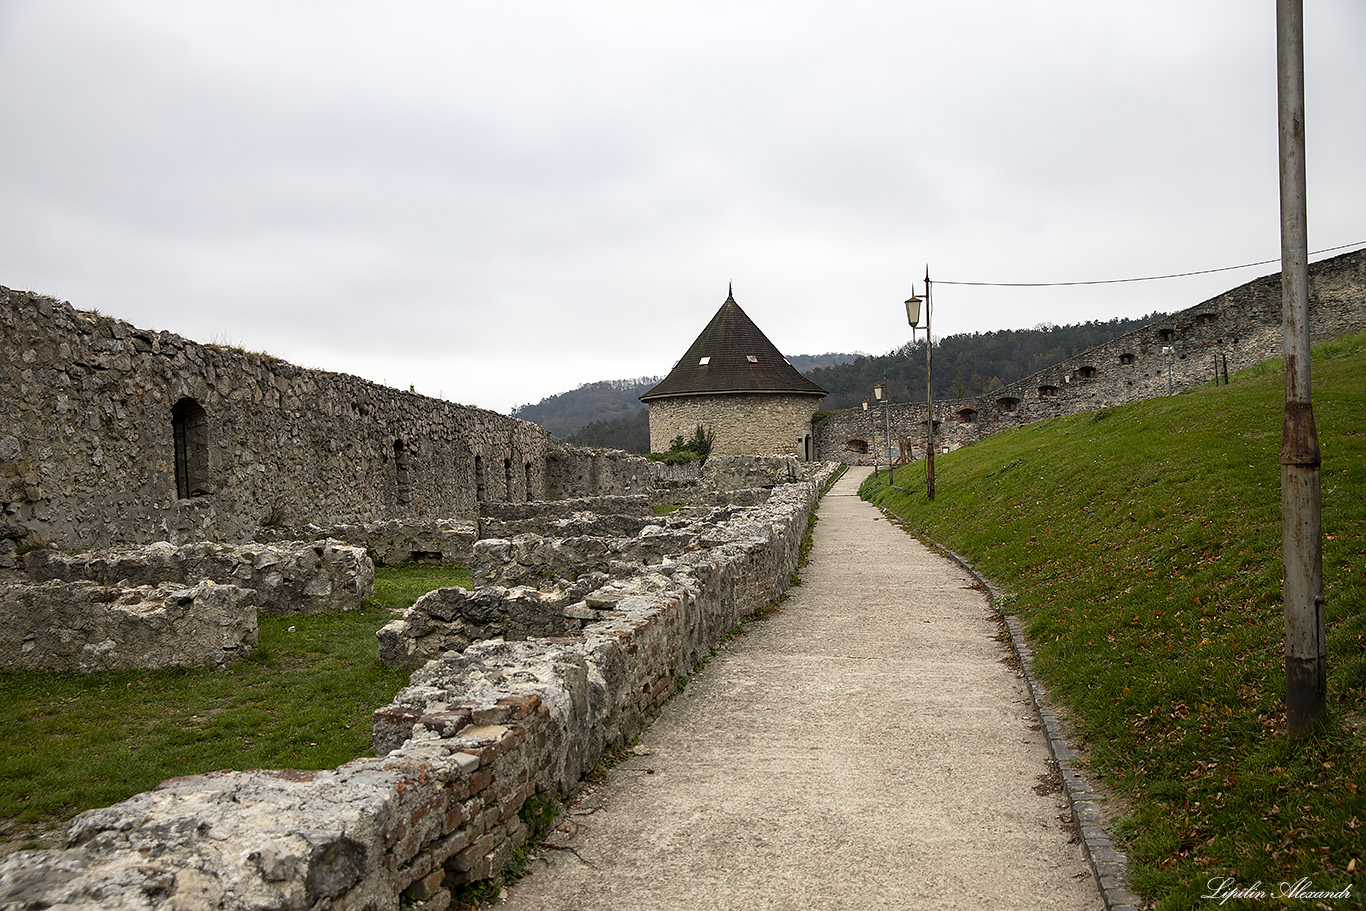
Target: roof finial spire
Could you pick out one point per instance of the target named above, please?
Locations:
(730, 291)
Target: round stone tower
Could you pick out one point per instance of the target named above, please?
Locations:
(736, 383)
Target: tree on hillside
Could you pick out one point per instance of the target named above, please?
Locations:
(631, 433)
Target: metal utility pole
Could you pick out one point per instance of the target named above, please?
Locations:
(929, 399)
(1306, 665)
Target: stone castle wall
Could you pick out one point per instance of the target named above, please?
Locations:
(111, 434)
(1234, 330)
(461, 749)
(742, 424)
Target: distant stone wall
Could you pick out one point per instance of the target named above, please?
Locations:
(86, 626)
(474, 735)
(742, 423)
(393, 542)
(298, 578)
(112, 434)
(1234, 330)
(571, 472)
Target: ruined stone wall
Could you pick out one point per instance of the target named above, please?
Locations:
(392, 542)
(111, 434)
(572, 471)
(1234, 330)
(86, 626)
(474, 735)
(741, 423)
(320, 577)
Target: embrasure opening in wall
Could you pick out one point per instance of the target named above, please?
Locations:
(190, 427)
(507, 476)
(480, 489)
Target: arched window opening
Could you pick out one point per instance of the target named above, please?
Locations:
(1126, 358)
(1087, 373)
(967, 415)
(859, 446)
(1048, 391)
(403, 490)
(1167, 335)
(1008, 403)
(1204, 319)
(190, 427)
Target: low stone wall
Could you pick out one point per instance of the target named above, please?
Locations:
(85, 626)
(702, 497)
(393, 542)
(543, 586)
(579, 523)
(474, 735)
(632, 505)
(452, 619)
(542, 561)
(295, 578)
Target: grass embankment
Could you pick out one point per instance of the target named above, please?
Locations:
(1140, 546)
(303, 700)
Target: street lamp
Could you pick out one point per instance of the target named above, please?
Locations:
(865, 408)
(884, 396)
(1169, 355)
(913, 317)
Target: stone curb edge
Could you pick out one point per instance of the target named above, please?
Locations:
(1108, 864)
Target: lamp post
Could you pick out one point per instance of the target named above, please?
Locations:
(913, 317)
(884, 396)
(1169, 355)
(865, 408)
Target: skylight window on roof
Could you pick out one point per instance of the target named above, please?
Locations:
(751, 358)
(704, 362)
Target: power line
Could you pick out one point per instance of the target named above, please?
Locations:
(1146, 278)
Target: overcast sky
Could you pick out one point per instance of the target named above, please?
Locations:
(495, 202)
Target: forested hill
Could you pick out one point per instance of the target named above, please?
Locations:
(609, 401)
(610, 413)
(966, 365)
(606, 400)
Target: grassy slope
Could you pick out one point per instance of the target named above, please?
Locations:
(304, 699)
(1141, 547)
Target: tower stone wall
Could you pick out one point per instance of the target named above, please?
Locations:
(741, 423)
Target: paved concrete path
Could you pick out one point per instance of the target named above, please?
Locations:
(864, 747)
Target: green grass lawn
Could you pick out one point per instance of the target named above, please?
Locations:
(303, 699)
(1140, 546)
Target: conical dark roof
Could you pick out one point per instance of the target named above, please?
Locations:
(739, 358)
